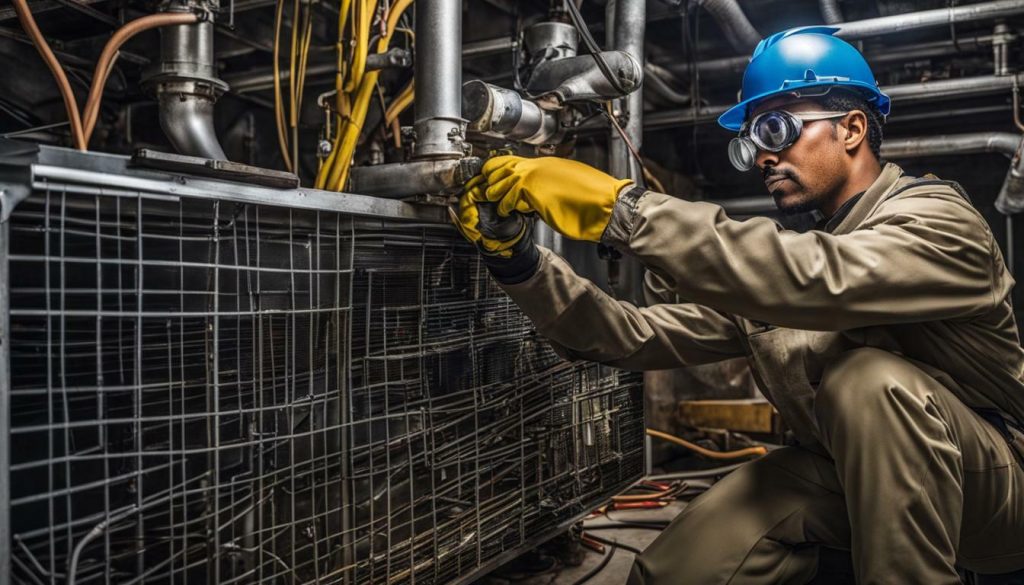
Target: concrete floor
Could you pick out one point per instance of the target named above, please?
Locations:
(618, 568)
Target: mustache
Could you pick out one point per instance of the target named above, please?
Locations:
(773, 173)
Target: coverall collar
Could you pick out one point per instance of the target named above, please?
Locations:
(866, 203)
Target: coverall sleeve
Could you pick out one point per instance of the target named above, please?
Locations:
(921, 257)
(583, 322)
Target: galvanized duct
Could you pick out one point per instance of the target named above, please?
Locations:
(187, 87)
(440, 129)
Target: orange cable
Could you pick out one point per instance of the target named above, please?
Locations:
(70, 103)
(109, 54)
(740, 453)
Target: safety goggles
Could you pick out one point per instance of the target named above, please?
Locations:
(772, 131)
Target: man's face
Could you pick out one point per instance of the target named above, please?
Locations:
(813, 169)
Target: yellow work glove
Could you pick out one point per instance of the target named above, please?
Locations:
(575, 199)
(480, 224)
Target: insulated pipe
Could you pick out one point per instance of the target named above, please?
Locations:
(830, 11)
(734, 24)
(439, 127)
(929, 18)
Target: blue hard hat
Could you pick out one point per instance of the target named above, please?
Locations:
(806, 60)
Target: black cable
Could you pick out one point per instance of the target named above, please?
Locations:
(595, 50)
(612, 543)
(600, 567)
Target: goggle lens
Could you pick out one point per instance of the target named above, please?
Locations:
(742, 153)
(774, 131)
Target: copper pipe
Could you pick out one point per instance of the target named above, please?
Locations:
(70, 104)
(109, 55)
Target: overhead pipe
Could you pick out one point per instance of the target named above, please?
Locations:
(734, 24)
(736, 65)
(870, 27)
(439, 127)
(972, 143)
(897, 23)
(923, 91)
(187, 87)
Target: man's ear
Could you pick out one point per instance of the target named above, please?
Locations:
(856, 125)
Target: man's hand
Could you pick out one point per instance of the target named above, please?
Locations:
(506, 243)
(575, 199)
(480, 224)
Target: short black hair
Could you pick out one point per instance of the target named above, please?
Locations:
(839, 100)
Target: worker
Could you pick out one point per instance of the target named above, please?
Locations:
(884, 337)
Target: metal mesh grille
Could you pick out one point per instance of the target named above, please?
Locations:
(212, 392)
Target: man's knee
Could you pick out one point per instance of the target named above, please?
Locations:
(858, 382)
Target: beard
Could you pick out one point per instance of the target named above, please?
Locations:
(797, 202)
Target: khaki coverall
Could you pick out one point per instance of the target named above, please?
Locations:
(875, 339)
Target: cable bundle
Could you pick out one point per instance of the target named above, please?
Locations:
(355, 86)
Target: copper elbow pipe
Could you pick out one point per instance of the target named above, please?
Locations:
(109, 55)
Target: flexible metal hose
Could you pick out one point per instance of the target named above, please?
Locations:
(830, 11)
(737, 28)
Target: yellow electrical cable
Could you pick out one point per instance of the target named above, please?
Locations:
(749, 451)
(400, 103)
(363, 20)
(339, 81)
(278, 106)
(353, 126)
(339, 172)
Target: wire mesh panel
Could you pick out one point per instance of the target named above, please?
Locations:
(214, 392)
